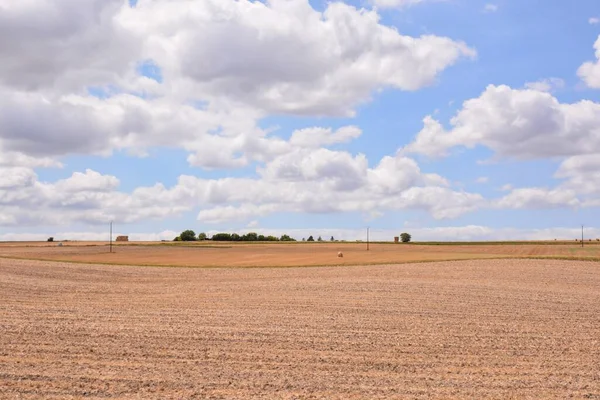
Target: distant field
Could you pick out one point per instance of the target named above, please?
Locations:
(227, 254)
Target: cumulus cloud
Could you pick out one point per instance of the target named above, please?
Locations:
(520, 124)
(581, 173)
(289, 57)
(589, 72)
(15, 177)
(56, 44)
(32, 124)
(303, 181)
(594, 20)
(224, 65)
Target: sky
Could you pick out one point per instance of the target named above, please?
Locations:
(447, 119)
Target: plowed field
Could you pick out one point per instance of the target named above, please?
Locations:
(469, 329)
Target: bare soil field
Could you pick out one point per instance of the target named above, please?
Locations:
(209, 254)
(522, 329)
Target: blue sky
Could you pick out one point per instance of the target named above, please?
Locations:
(130, 127)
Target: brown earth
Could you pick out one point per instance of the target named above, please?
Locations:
(469, 329)
(284, 254)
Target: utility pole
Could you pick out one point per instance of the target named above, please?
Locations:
(367, 238)
(110, 246)
(581, 235)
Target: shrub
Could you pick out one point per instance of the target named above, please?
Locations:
(287, 238)
(177, 239)
(221, 237)
(202, 236)
(405, 237)
(310, 239)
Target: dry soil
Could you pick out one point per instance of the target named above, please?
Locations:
(469, 329)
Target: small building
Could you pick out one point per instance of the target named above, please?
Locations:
(396, 239)
(122, 238)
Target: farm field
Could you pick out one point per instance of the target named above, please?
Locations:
(464, 329)
(219, 254)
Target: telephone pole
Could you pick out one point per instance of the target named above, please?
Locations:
(110, 245)
(367, 238)
(581, 235)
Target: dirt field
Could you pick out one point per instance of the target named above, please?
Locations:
(211, 254)
(469, 329)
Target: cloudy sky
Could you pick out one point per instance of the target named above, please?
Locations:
(456, 119)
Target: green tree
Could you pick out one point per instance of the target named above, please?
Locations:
(51, 239)
(177, 239)
(235, 237)
(261, 238)
(320, 239)
(188, 236)
(310, 239)
(287, 238)
(405, 237)
(250, 237)
(202, 236)
(332, 239)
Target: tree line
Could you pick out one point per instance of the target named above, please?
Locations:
(190, 236)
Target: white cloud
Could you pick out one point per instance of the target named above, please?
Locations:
(490, 8)
(15, 177)
(279, 56)
(341, 169)
(317, 136)
(90, 181)
(589, 72)
(482, 179)
(538, 198)
(56, 44)
(546, 85)
(581, 173)
(289, 58)
(594, 20)
(520, 124)
(304, 180)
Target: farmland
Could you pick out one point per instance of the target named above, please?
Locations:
(500, 328)
(215, 254)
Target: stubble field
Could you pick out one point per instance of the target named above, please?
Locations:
(215, 254)
(466, 329)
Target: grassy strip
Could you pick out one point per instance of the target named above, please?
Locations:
(483, 258)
